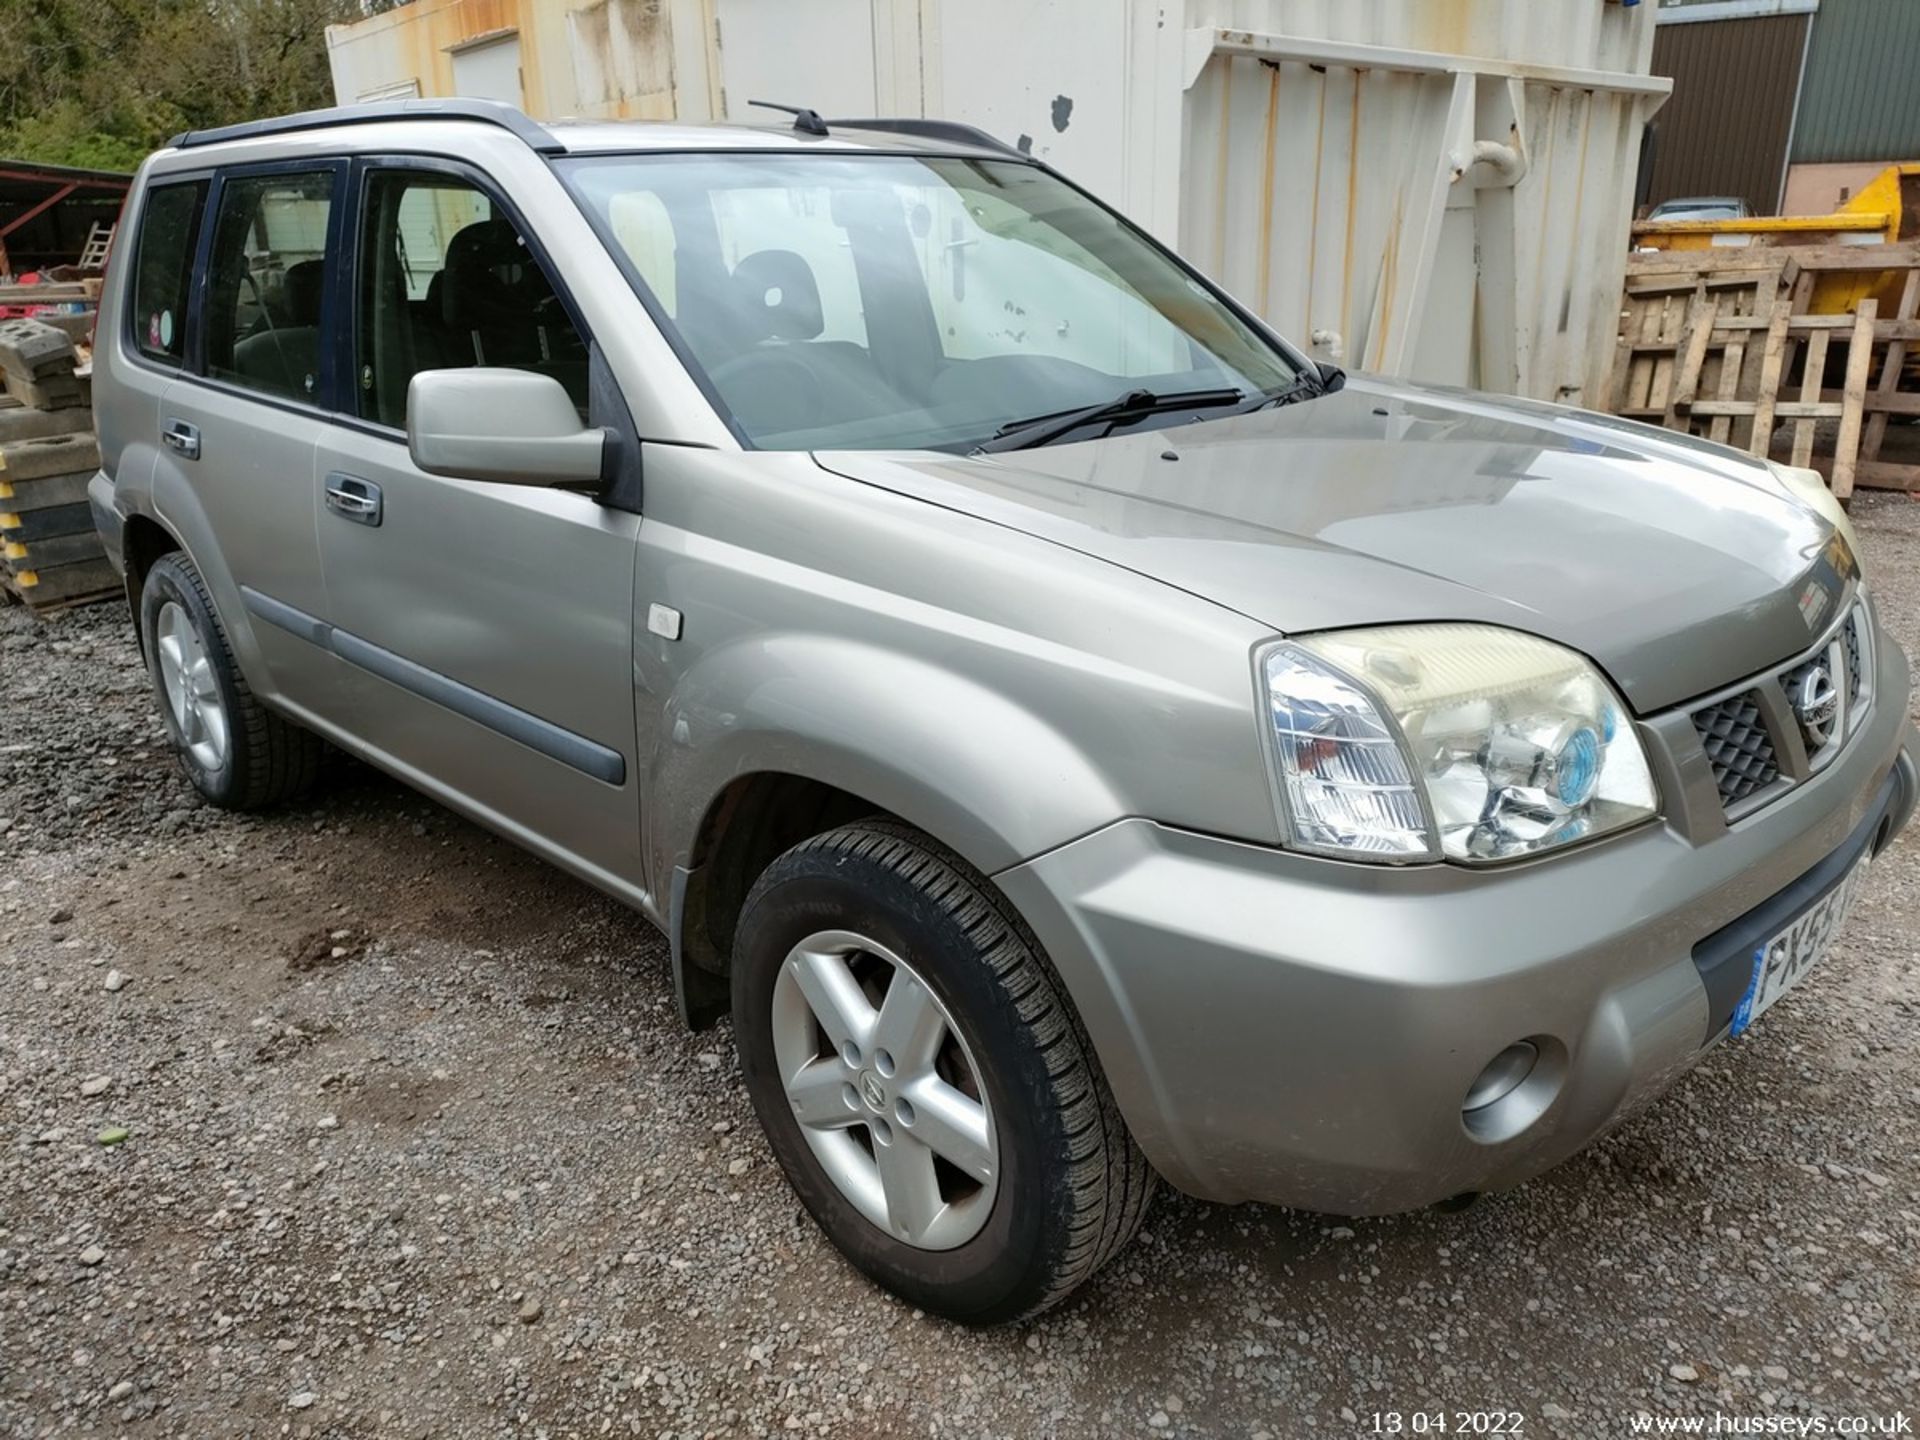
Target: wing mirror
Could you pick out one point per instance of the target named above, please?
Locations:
(512, 426)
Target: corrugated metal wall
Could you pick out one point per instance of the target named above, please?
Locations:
(1305, 184)
(1862, 95)
(1725, 130)
(1436, 188)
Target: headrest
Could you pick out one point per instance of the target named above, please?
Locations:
(300, 291)
(492, 244)
(779, 298)
(485, 263)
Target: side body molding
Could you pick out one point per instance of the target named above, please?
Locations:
(556, 743)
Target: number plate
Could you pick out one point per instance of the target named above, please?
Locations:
(1779, 964)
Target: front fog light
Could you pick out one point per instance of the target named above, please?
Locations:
(1516, 1088)
(1465, 741)
(1505, 1073)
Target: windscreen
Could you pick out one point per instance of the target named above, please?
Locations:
(892, 302)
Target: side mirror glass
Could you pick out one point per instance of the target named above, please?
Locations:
(511, 426)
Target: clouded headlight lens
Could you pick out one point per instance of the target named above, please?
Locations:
(1468, 742)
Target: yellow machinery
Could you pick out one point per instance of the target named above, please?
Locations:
(1886, 209)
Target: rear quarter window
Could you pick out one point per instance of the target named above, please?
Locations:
(163, 269)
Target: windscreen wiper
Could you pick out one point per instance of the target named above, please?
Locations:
(1307, 387)
(1135, 404)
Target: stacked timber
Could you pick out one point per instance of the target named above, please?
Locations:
(1802, 354)
(50, 554)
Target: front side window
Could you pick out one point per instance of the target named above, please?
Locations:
(446, 280)
(265, 280)
(163, 268)
(871, 301)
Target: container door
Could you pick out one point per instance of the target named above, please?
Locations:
(490, 71)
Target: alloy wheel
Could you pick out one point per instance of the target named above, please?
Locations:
(887, 1095)
(192, 690)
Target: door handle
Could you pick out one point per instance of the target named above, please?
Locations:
(181, 438)
(352, 498)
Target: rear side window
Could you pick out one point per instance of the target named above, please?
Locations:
(163, 268)
(265, 279)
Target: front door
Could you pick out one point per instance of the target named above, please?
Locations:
(488, 627)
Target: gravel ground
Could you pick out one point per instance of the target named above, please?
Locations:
(414, 1145)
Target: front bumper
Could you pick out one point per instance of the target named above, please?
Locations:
(1303, 1031)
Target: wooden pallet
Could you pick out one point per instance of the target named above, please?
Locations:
(1720, 343)
(1806, 404)
(1686, 334)
(1886, 398)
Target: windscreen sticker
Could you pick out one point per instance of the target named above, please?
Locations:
(166, 329)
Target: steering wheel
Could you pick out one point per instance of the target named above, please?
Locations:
(263, 325)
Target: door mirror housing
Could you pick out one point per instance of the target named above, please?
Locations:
(515, 427)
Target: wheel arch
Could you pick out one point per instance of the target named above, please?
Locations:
(808, 733)
(752, 820)
(162, 515)
(144, 540)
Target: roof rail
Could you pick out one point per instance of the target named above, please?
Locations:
(951, 130)
(807, 122)
(487, 112)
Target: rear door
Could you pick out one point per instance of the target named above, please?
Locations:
(240, 425)
(489, 626)
(153, 327)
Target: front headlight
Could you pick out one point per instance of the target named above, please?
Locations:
(1463, 742)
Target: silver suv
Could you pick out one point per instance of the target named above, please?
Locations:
(1080, 739)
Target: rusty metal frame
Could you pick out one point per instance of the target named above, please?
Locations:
(38, 210)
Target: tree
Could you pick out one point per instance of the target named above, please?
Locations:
(99, 83)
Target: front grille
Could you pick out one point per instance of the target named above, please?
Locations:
(1855, 668)
(1793, 681)
(1753, 764)
(1738, 746)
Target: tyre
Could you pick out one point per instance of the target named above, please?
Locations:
(238, 754)
(923, 1080)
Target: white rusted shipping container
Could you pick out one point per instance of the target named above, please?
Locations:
(1434, 188)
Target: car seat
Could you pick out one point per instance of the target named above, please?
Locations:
(490, 295)
(285, 359)
(788, 378)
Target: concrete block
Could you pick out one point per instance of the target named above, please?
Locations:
(64, 584)
(19, 422)
(32, 349)
(17, 496)
(48, 455)
(57, 392)
(55, 550)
